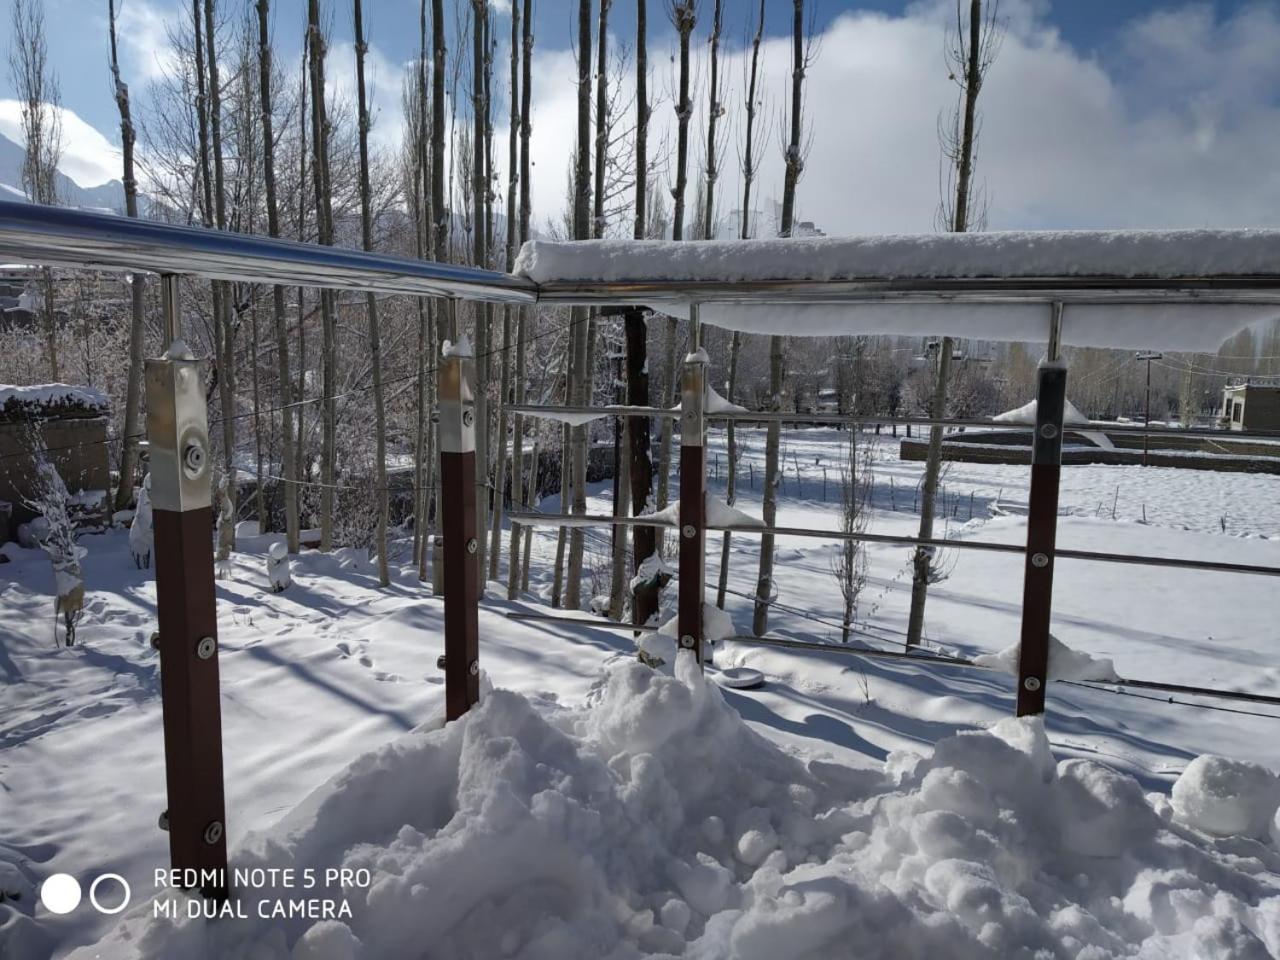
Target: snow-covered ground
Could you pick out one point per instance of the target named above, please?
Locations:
(599, 809)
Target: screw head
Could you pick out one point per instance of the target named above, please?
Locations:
(1039, 560)
(1031, 684)
(213, 832)
(155, 640)
(193, 458)
(206, 648)
(163, 820)
(440, 662)
(472, 545)
(687, 641)
(689, 531)
(1048, 431)
(468, 418)
(474, 669)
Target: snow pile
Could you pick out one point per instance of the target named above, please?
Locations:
(1027, 414)
(50, 399)
(278, 566)
(1064, 663)
(721, 514)
(1226, 798)
(655, 822)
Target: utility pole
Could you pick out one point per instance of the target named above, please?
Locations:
(1146, 417)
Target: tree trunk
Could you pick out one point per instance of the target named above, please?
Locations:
(375, 336)
(522, 335)
(971, 72)
(479, 191)
(324, 224)
(277, 292)
(137, 288)
(765, 589)
(440, 237)
(580, 367)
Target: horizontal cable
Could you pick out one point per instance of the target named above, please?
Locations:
(552, 411)
(597, 520)
(580, 622)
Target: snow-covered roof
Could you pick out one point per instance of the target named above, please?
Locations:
(1180, 289)
(50, 400)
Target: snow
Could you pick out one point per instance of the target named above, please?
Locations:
(178, 350)
(652, 820)
(593, 808)
(1123, 254)
(1003, 254)
(720, 514)
(45, 395)
(1064, 663)
(1027, 414)
(1225, 798)
(460, 349)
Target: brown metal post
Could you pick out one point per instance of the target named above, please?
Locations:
(1042, 528)
(178, 441)
(693, 501)
(457, 523)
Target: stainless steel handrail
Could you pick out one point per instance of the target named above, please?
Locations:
(54, 236)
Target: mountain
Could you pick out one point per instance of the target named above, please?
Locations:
(106, 197)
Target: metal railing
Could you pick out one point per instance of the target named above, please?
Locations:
(177, 430)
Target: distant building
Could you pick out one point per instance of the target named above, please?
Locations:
(1248, 406)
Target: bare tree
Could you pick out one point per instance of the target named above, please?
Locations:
(375, 334)
(508, 312)
(479, 197)
(580, 376)
(969, 53)
(266, 78)
(522, 335)
(849, 563)
(137, 285)
(684, 15)
(37, 88)
(321, 181)
(793, 158)
(744, 232)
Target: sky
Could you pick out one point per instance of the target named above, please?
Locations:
(1097, 113)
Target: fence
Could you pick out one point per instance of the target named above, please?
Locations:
(178, 440)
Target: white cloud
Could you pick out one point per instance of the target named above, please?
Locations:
(1179, 129)
(88, 157)
(143, 31)
(384, 81)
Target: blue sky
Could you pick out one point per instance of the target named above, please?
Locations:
(1098, 112)
(78, 45)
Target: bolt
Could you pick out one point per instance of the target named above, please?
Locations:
(474, 669)
(1048, 431)
(472, 545)
(1039, 560)
(689, 531)
(687, 641)
(468, 418)
(440, 662)
(193, 459)
(155, 640)
(163, 821)
(213, 832)
(1031, 683)
(206, 648)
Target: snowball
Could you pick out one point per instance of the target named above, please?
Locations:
(754, 845)
(1104, 812)
(676, 914)
(1226, 798)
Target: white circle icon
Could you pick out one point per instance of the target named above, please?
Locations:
(124, 901)
(60, 893)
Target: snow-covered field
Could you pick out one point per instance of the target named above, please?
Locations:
(593, 808)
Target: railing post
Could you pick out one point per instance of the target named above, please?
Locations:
(1042, 526)
(456, 515)
(693, 499)
(187, 640)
